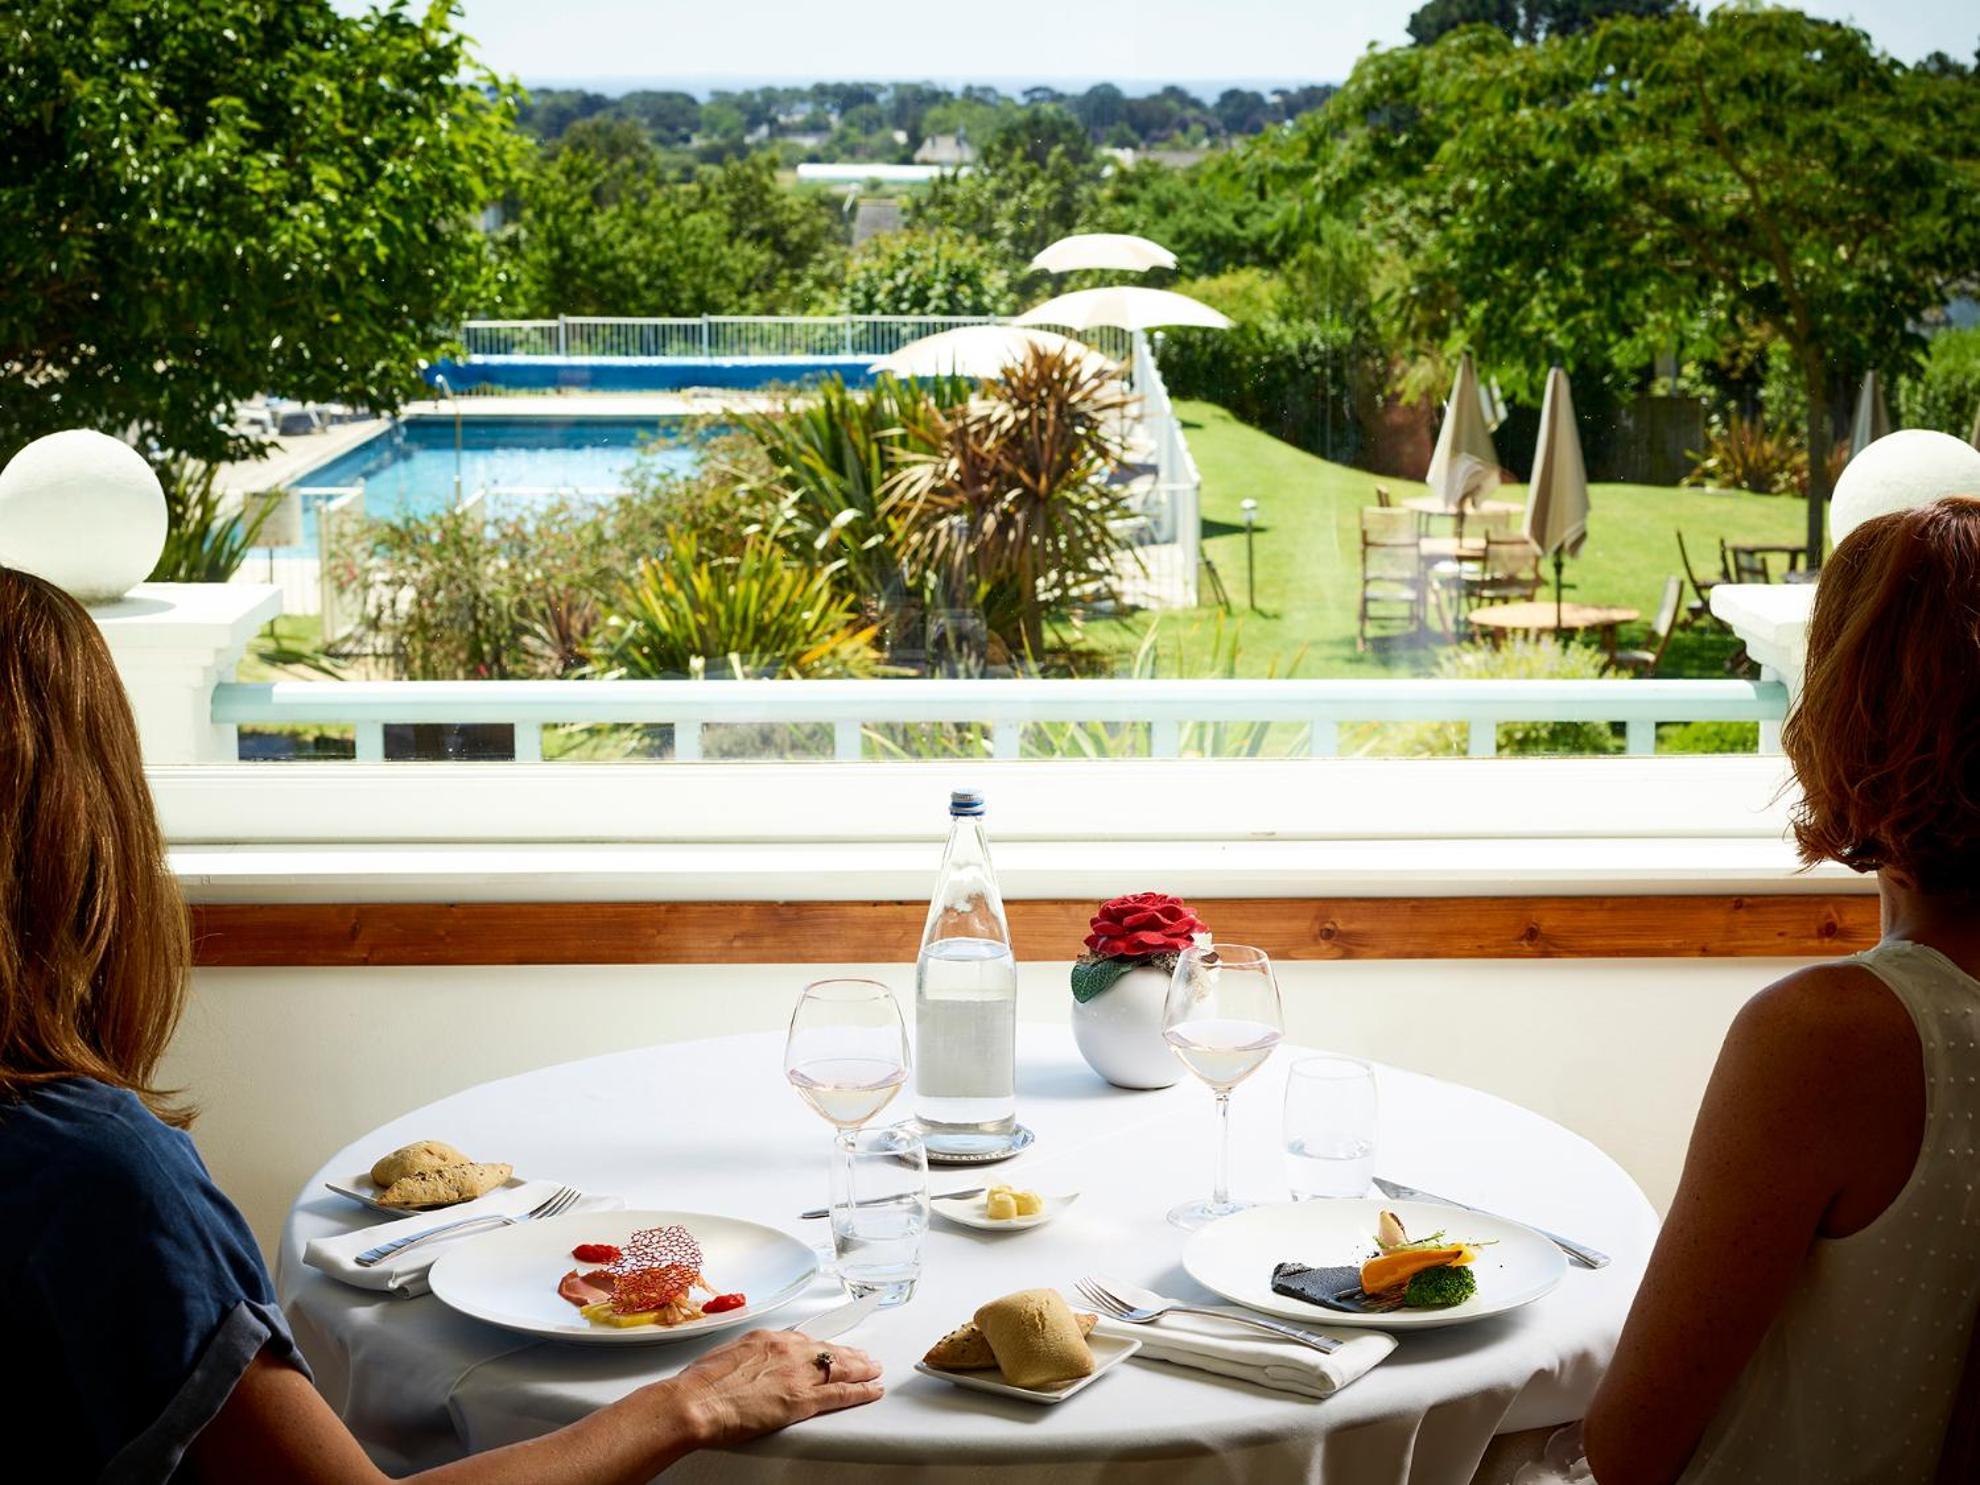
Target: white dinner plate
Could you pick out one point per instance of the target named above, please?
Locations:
(974, 1211)
(361, 1189)
(1108, 1352)
(509, 1277)
(1235, 1257)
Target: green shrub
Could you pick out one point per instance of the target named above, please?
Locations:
(1519, 659)
(926, 273)
(755, 614)
(1945, 393)
(1743, 453)
(1708, 737)
(204, 541)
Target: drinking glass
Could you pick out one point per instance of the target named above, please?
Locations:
(847, 1050)
(879, 1211)
(1330, 1126)
(1222, 1019)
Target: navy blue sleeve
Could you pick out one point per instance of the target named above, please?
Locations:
(145, 1295)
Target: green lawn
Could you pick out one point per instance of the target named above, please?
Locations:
(1308, 554)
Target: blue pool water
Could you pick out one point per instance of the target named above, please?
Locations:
(409, 469)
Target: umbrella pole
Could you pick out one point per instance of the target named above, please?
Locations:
(1559, 558)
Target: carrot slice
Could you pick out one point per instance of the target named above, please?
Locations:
(1393, 1270)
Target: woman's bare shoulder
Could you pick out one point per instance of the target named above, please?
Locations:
(1820, 1003)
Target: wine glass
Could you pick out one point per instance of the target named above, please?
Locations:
(847, 1050)
(1222, 1019)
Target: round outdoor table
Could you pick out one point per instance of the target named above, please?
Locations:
(710, 1126)
(1430, 505)
(1541, 617)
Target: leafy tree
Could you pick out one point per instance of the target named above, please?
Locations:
(1209, 215)
(1596, 195)
(1035, 178)
(926, 273)
(205, 199)
(602, 230)
(1526, 20)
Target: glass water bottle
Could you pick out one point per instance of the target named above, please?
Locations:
(965, 1003)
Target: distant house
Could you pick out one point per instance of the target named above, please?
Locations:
(949, 151)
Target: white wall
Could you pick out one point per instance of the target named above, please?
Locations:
(290, 1065)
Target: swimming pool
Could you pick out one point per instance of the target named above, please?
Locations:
(409, 469)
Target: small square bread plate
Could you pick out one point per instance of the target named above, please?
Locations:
(1108, 1352)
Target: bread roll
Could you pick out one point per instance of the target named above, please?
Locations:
(445, 1186)
(411, 1159)
(965, 1350)
(1035, 1338)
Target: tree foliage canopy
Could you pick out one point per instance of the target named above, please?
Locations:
(205, 199)
(1595, 196)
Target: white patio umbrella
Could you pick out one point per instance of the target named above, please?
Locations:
(1873, 419)
(984, 351)
(1464, 465)
(1127, 306)
(1118, 250)
(1557, 495)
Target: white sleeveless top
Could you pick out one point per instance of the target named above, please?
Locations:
(1855, 1382)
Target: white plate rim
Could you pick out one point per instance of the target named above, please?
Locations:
(963, 1210)
(990, 1381)
(1413, 1213)
(352, 1189)
(587, 1334)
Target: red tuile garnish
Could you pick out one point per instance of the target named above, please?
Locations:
(658, 1247)
(651, 1288)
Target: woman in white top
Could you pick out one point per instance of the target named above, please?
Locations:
(1807, 1315)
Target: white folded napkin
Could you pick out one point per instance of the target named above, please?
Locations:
(404, 1274)
(1232, 1350)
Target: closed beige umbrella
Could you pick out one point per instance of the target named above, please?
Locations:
(1464, 464)
(1873, 419)
(1557, 496)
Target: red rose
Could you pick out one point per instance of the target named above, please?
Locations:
(1145, 924)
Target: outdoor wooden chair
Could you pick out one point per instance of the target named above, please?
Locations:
(1645, 662)
(1382, 497)
(1701, 606)
(1510, 572)
(1744, 566)
(1391, 572)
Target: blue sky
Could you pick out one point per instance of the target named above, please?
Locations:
(1002, 40)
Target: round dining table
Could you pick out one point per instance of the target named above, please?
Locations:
(710, 1126)
(1543, 616)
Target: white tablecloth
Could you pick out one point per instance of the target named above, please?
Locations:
(711, 1126)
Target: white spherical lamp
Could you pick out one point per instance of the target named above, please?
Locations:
(84, 511)
(1912, 467)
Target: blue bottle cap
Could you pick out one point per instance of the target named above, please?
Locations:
(965, 802)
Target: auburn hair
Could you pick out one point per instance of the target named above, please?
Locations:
(1885, 734)
(94, 941)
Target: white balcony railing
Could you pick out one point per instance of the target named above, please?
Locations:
(1175, 713)
(711, 337)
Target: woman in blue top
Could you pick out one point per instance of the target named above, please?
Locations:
(145, 1340)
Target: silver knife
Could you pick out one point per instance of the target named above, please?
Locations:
(1581, 1253)
(840, 1319)
(817, 1212)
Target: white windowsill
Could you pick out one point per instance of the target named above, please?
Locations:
(903, 871)
(870, 831)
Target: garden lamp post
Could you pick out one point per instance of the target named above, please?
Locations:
(1250, 509)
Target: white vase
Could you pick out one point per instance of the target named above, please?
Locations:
(1119, 1031)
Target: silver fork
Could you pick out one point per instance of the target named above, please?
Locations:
(555, 1204)
(1106, 1300)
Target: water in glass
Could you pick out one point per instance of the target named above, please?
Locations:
(1330, 1127)
(879, 1211)
(1222, 1020)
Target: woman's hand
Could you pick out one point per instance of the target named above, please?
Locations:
(769, 1379)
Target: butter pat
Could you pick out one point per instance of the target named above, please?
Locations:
(1000, 1206)
(1035, 1338)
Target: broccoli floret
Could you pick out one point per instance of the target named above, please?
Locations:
(1440, 1288)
